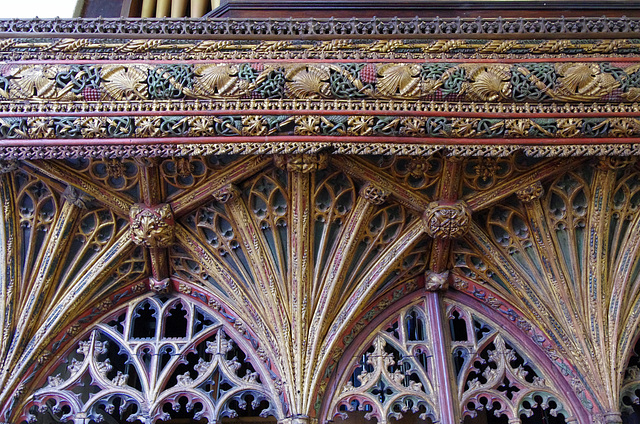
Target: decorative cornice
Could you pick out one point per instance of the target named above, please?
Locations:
(150, 49)
(583, 27)
(160, 149)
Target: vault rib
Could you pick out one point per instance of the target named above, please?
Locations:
(482, 200)
(114, 201)
(361, 170)
(245, 304)
(79, 291)
(364, 288)
(237, 171)
(333, 276)
(301, 282)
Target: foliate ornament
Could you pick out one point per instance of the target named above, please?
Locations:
(152, 226)
(77, 197)
(304, 163)
(530, 193)
(435, 281)
(447, 220)
(226, 193)
(374, 195)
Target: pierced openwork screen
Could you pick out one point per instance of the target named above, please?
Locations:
(159, 358)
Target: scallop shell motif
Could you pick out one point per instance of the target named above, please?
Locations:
(310, 83)
(125, 82)
(577, 77)
(398, 79)
(489, 86)
(215, 80)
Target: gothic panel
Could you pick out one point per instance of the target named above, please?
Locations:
(158, 358)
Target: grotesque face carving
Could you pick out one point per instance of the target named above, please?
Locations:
(152, 226)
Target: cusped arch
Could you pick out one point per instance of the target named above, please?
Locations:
(205, 371)
(500, 369)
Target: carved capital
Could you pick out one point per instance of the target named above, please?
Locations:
(152, 226)
(226, 193)
(77, 197)
(435, 281)
(299, 419)
(374, 195)
(447, 220)
(530, 192)
(303, 162)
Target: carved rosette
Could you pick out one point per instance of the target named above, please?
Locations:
(152, 226)
(447, 220)
(304, 163)
(530, 193)
(374, 195)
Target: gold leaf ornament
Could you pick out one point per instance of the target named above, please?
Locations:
(398, 79)
(215, 80)
(125, 82)
(308, 81)
(583, 81)
(33, 81)
(490, 83)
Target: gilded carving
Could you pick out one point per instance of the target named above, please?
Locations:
(77, 197)
(152, 226)
(226, 193)
(531, 192)
(374, 195)
(447, 220)
(304, 163)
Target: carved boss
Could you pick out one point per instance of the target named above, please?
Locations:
(447, 220)
(152, 226)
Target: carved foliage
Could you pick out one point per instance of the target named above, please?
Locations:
(152, 226)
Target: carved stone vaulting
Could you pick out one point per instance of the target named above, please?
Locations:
(326, 220)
